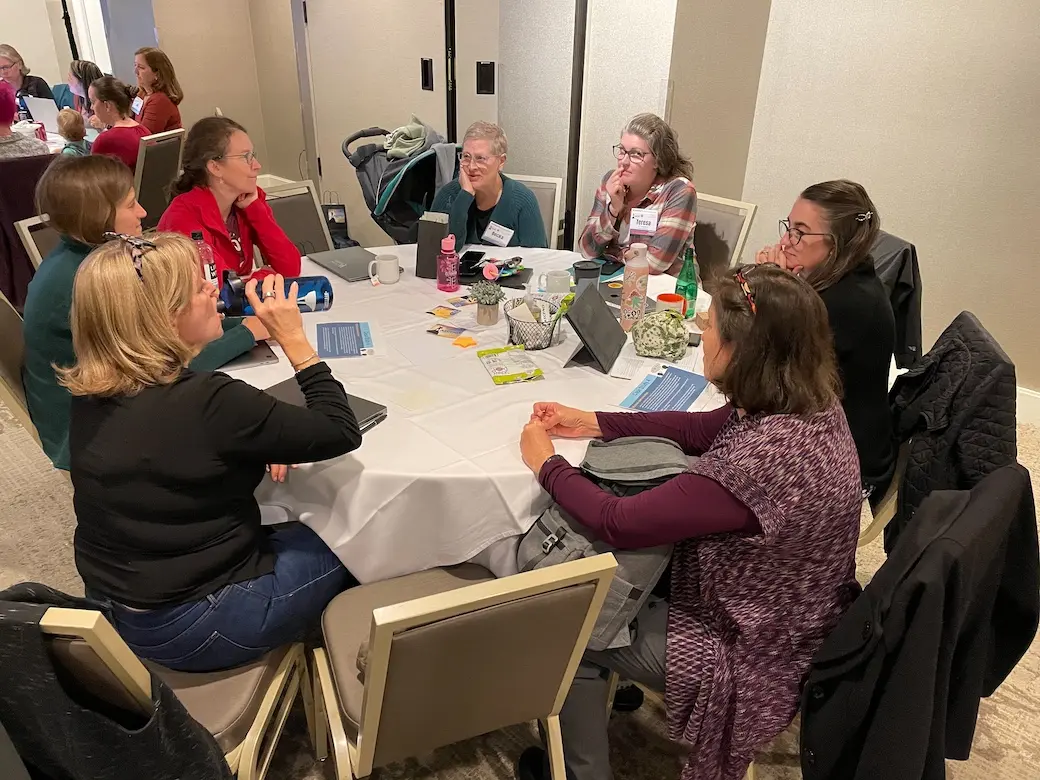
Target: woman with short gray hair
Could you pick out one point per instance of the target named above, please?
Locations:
(15, 72)
(483, 205)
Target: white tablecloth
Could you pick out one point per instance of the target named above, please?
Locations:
(441, 480)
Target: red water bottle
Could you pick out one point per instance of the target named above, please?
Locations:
(448, 265)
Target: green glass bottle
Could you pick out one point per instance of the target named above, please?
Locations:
(686, 284)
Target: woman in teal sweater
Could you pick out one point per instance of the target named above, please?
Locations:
(484, 206)
(84, 197)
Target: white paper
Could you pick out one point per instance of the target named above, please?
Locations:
(629, 365)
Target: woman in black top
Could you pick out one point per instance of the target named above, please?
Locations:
(14, 71)
(164, 461)
(827, 238)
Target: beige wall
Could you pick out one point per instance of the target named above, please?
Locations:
(933, 107)
(279, 87)
(476, 39)
(62, 50)
(716, 64)
(211, 46)
(26, 25)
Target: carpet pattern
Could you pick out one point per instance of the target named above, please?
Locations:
(36, 527)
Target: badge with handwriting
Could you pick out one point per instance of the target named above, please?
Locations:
(497, 235)
(643, 222)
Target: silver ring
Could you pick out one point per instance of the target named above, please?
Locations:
(269, 294)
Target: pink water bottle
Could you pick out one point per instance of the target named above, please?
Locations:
(633, 291)
(448, 265)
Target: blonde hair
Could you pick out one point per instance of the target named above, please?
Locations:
(165, 75)
(71, 126)
(664, 144)
(80, 195)
(124, 330)
(490, 132)
(9, 52)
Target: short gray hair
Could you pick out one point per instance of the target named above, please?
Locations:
(490, 132)
(9, 52)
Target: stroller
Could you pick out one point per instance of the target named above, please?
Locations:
(399, 191)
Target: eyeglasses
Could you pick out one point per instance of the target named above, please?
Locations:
(6, 68)
(480, 161)
(739, 276)
(249, 157)
(138, 246)
(635, 155)
(794, 233)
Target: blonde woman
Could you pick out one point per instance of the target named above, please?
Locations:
(15, 72)
(165, 461)
(654, 181)
(159, 92)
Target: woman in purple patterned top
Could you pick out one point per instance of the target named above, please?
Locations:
(764, 524)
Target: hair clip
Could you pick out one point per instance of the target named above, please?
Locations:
(865, 216)
(746, 289)
(137, 248)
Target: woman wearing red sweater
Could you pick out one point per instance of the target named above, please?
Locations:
(110, 102)
(217, 195)
(159, 92)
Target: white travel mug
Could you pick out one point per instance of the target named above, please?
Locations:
(385, 269)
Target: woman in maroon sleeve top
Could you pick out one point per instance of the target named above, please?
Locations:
(159, 91)
(764, 525)
(110, 102)
(217, 194)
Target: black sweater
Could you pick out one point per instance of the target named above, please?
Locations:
(164, 480)
(864, 337)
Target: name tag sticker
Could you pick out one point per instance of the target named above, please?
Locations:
(500, 236)
(643, 222)
(137, 105)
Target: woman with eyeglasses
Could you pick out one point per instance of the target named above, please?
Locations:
(217, 194)
(110, 101)
(827, 239)
(653, 181)
(15, 72)
(84, 198)
(165, 460)
(484, 206)
(764, 524)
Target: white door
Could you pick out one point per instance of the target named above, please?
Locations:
(366, 72)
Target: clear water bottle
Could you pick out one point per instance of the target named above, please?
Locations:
(633, 290)
(206, 259)
(686, 284)
(448, 265)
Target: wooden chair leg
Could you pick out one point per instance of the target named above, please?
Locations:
(612, 684)
(555, 739)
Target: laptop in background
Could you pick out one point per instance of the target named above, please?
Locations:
(259, 355)
(350, 263)
(368, 413)
(44, 111)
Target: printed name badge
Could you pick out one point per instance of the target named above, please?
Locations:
(497, 235)
(643, 222)
(137, 105)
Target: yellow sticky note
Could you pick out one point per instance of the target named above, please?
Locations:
(465, 341)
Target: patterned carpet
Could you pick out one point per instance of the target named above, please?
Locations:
(36, 525)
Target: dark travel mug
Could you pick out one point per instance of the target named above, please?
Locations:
(586, 272)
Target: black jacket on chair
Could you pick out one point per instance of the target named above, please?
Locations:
(957, 409)
(895, 688)
(895, 263)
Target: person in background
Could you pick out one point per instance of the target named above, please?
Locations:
(110, 102)
(165, 460)
(159, 92)
(73, 129)
(764, 524)
(12, 143)
(653, 181)
(84, 198)
(14, 71)
(827, 239)
(217, 194)
(83, 73)
(483, 205)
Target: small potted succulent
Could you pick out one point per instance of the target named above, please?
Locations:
(488, 296)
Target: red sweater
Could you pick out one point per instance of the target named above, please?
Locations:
(123, 143)
(159, 114)
(198, 210)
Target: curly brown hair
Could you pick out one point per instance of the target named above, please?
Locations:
(782, 359)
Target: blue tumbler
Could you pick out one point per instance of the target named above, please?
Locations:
(314, 294)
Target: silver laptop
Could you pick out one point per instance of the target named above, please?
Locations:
(368, 413)
(260, 355)
(350, 263)
(44, 111)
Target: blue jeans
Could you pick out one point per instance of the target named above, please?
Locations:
(242, 621)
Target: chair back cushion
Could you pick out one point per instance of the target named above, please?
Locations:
(715, 239)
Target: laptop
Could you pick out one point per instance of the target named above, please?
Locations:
(44, 111)
(368, 413)
(350, 263)
(260, 355)
(598, 329)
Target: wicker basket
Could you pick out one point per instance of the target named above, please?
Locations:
(534, 335)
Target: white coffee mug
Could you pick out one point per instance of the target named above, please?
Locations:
(558, 281)
(385, 268)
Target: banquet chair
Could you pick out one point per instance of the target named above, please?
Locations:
(429, 659)
(547, 191)
(158, 165)
(38, 238)
(12, 359)
(719, 236)
(243, 708)
(298, 212)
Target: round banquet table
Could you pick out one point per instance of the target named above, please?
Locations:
(440, 480)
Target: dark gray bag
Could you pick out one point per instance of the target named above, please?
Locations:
(623, 467)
